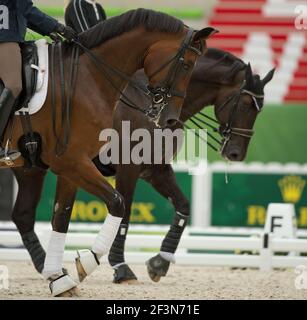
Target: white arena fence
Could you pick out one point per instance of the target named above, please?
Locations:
(260, 249)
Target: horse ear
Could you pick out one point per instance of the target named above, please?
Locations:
(268, 77)
(204, 34)
(249, 76)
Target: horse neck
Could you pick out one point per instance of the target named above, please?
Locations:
(200, 94)
(127, 53)
(204, 92)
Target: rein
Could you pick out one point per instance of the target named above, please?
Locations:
(160, 95)
(66, 95)
(198, 120)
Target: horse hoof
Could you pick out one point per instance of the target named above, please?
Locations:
(157, 267)
(124, 275)
(130, 282)
(72, 293)
(153, 276)
(86, 263)
(81, 273)
(63, 286)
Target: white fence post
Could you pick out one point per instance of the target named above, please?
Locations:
(266, 253)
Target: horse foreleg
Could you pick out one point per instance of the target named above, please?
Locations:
(164, 181)
(29, 192)
(85, 175)
(126, 178)
(61, 284)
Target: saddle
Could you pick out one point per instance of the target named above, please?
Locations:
(30, 143)
(29, 74)
(35, 77)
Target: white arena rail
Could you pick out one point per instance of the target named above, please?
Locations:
(262, 258)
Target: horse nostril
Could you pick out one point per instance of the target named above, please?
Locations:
(234, 155)
(171, 122)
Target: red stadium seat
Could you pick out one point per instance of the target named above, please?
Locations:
(244, 24)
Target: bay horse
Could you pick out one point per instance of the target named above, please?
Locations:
(217, 77)
(167, 50)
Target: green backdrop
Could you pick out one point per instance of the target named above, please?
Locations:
(281, 135)
(244, 200)
(148, 207)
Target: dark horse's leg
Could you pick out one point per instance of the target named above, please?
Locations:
(164, 181)
(30, 187)
(126, 179)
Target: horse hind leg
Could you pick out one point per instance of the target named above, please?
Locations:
(29, 192)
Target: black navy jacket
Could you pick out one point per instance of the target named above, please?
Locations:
(82, 14)
(17, 15)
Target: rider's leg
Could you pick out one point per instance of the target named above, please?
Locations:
(11, 75)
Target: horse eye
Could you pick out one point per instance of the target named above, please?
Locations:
(186, 66)
(246, 107)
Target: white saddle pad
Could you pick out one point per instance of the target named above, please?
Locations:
(39, 98)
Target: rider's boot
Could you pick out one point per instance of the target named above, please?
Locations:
(7, 102)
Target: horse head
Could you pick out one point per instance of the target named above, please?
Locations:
(237, 109)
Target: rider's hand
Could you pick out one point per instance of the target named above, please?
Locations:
(67, 32)
(55, 37)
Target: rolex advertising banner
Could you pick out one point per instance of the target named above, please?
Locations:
(240, 202)
(149, 207)
(243, 201)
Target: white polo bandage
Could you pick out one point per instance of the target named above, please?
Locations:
(106, 235)
(168, 256)
(54, 255)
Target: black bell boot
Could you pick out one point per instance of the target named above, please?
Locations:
(7, 102)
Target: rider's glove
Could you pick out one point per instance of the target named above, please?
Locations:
(67, 32)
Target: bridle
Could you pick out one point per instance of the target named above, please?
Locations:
(228, 130)
(161, 94)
